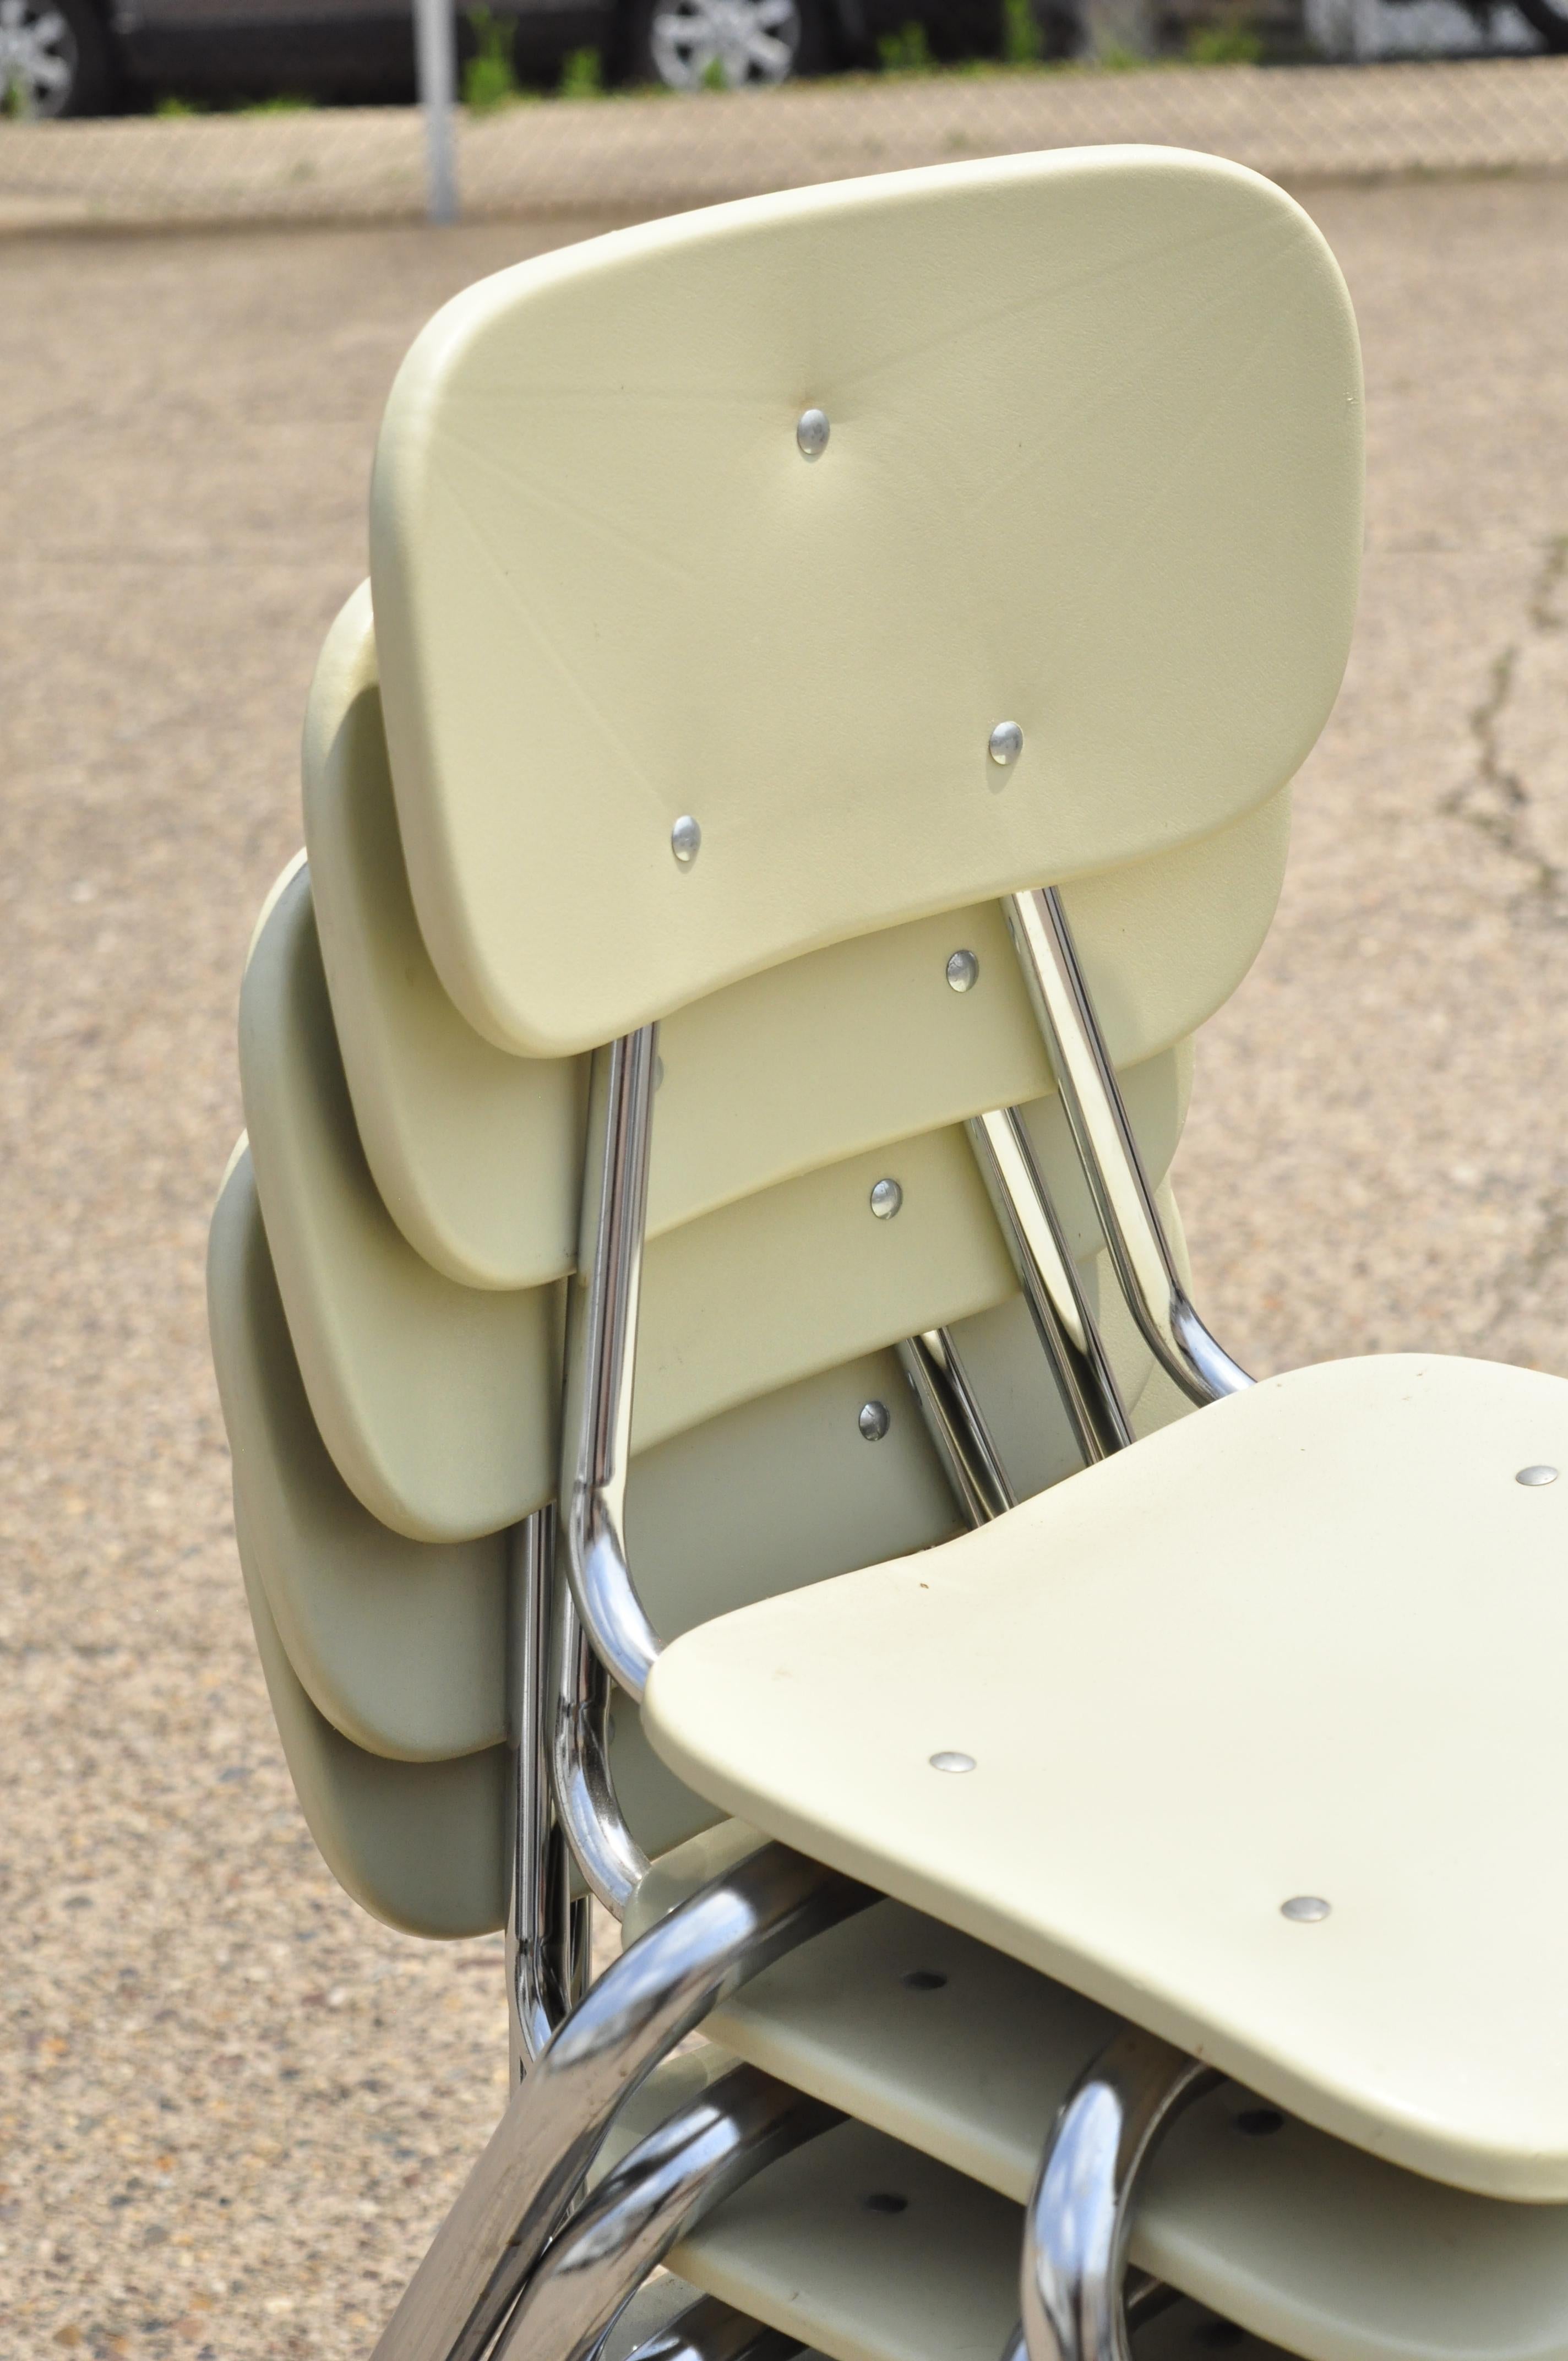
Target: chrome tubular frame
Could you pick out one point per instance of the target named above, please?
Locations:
(1080, 2212)
(646, 2001)
(710, 2330)
(1143, 2297)
(956, 1424)
(1048, 1274)
(1123, 1201)
(739, 2125)
(612, 1861)
(547, 1933)
(601, 1355)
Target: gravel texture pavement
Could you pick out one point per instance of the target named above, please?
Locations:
(232, 2108)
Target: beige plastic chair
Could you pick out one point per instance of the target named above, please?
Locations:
(777, 611)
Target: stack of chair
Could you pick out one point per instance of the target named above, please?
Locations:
(719, 1423)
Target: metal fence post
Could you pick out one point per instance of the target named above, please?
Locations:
(435, 57)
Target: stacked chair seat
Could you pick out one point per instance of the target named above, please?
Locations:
(719, 1423)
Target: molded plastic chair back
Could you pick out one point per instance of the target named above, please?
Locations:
(1094, 469)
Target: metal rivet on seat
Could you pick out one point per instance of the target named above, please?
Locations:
(949, 1761)
(874, 1420)
(811, 432)
(1536, 1476)
(1307, 1908)
(886, 1199)
(964, 971)
(685, 839)
(1007, 744)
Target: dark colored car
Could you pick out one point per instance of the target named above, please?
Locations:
(86, 57)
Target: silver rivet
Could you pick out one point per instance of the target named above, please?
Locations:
(1536, 1476)
(886, 1199)
(685, 839)
(964, 971)
(1306, 1908)
(811, 432)
(658, 1073)
(1007, 744)
(874, 1420)
(948, 1761)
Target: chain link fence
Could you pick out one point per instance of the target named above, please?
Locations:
(644, 154)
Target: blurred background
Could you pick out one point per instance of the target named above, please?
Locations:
(232, 2109)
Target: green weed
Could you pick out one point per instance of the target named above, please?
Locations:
(1230, 44)
(906, 51)
(489, 76)
(582, 75)
(1023, 42)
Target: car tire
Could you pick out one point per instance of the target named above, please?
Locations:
(751, 42)
(57, 52)
(1549, 19)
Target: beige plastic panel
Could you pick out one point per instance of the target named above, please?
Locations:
(403, 1644)
(423, 1846)
(860, 2290)
(1095, 467)
(1311, 2243)
(1307, 1641)
(438, 1402)
(476, 1154)
(801, 2248)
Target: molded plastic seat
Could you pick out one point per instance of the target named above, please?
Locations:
(961, 2052)
(873, 2251)
(1305, 1643)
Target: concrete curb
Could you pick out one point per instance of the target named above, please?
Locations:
(654, 155)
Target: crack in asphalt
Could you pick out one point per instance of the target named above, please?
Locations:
(1496, 799)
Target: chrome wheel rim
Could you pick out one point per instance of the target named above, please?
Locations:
(37, 56)
(747, 40)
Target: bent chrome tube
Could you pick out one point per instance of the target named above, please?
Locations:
(956, 1424)
(646, 2001)
(739, 2125)
(710, 2330)
(1079, 2211)
(601, 1354)
(1047, 1275)
(547, 1933)
(1140, 1251)
(1143, 2297)
(612, 1861)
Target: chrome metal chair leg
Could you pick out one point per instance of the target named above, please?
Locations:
(601, 1355)
(546, 1930)
(1047, 1275)
(740, 2123)
(956, 1424)
(646, 2003)
(1080, 2212)
(612, 1861)
(1140, 1251)
(710, 2330)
